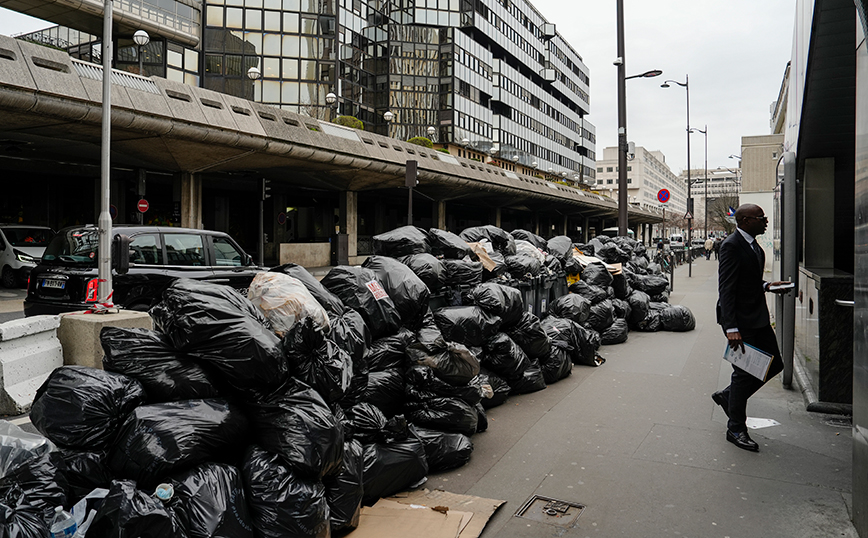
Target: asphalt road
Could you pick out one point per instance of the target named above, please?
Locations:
(11, 304)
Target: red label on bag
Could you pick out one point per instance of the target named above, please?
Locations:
(377, 290)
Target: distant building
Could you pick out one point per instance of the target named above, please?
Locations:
(491, 79)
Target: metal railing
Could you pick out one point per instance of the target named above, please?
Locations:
(121, 78)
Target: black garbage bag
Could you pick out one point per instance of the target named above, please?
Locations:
(317, 361)
(553, 265)
(349, 332)
(344, 490)
(386, 390)
(160, 439)
(324, 297)
(443, 414)
(595, 294)
(423, 384)
(639, 306)
(150, 358)
(560, 246)
(502, 301)
(571, 306)
(523, 266)
(651, 323)
(661, 297)
(654, 269)
(296, 423)
(653, 305)
(41, 481)
(530, 237)
(532, 380)
(596, 274)
(390, 351)
(500, 389)
(282, 502)
(616, 333)
(640, 261)
(621, 286)
(579, 343)
(130, 512)
(572, 266)
(427, 268)
(622, 309)
(366, 422)
(602, 315)
(449, 245)
(406, 290)
(209, 501)
(450, 362)
(650, 284)
(504, 357)
(482, 420)
(20, 519)
(361, 290)
(529, 336)
(558, 365)
(85, 471)
(461, 273)
(500, 268)
(677, 318)
(80, 407)
(610, 253)
(444, 450)
(402, 241)
(217, 324)
(589, 342)
(468, 325)
(393, 467)
(500, 240)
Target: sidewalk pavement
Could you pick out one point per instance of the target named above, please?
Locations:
(639, 442)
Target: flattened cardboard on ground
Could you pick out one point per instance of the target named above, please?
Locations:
(390, 519)
(482, 508)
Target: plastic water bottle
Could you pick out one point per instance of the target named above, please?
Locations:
(63, 525)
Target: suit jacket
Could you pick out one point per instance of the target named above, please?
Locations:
(741, 302)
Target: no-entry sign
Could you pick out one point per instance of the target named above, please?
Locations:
(142, 206)
(663, 196)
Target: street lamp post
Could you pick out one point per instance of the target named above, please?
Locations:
(432, 133)
(686, 86)
(254, 74)
(141, 38)
(104, 267)
(332, 101)
(705, 132)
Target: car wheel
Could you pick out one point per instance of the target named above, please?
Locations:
(8, 278)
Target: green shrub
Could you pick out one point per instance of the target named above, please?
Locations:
(350, 121)
(421, 141)
(443, 150)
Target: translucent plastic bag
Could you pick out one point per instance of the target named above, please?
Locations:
(285, 301)
(327, 299)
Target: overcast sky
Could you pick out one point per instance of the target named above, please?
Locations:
(735, 53)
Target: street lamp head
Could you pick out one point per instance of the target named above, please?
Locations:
(652, 73)
(331, 99)
(515, 158)
(534, 164)
(563, 174)
(254, 73)
(664, 85)
(431, 131)
(388, 116)
(141, 38)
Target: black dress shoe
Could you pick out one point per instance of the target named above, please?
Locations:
(720, 399)
(742, 440)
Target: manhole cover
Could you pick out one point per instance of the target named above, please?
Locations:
(551, 511)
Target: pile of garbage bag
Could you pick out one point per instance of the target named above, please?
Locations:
(282, 412)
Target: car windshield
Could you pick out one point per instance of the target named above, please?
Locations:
(74, 245)
(28, 237)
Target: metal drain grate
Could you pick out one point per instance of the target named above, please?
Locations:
(551, 511)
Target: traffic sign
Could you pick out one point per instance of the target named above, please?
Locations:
(688, 216)
(663, 196)
(142, 206)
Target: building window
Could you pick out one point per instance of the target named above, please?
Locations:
(609, 181)
(609, 169)
(600, 169)
(629, 168)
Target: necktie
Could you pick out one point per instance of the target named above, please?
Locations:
(759, 252)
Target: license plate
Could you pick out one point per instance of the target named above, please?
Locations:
(57, 284)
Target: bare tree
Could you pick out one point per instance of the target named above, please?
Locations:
(718, 212)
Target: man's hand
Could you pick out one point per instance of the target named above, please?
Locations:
(780, 283)
(735, 341)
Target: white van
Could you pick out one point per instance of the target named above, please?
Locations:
(676, 241)
(21, 248)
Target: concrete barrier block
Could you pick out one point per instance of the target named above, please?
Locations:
(79, 334)
(29, 352)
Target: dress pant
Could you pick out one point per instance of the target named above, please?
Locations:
(743, 385)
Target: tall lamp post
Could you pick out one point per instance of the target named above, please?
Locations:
(705, 132)
(622, 120)
(686, 86)
(254, 74)
(141, 38)
(104, 267)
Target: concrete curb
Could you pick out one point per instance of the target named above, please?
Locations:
(29, 352)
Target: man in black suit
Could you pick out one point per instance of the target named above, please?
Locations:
(744, 317)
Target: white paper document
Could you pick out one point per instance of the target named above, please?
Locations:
(752, 360)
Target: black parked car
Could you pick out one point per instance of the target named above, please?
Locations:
(66, 279)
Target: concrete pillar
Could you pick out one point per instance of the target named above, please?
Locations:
(379, 217)
(586, 223)
(191, 200)
(495, 216)
(438, 214)
(536, 223)
(566, 225)
(349, 220)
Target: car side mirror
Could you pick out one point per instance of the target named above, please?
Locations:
(248, 260)
(121, 254)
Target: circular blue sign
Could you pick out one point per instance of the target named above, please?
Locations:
(663, 196)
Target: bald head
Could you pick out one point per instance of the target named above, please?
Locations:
(747, 210)
(751, 218)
